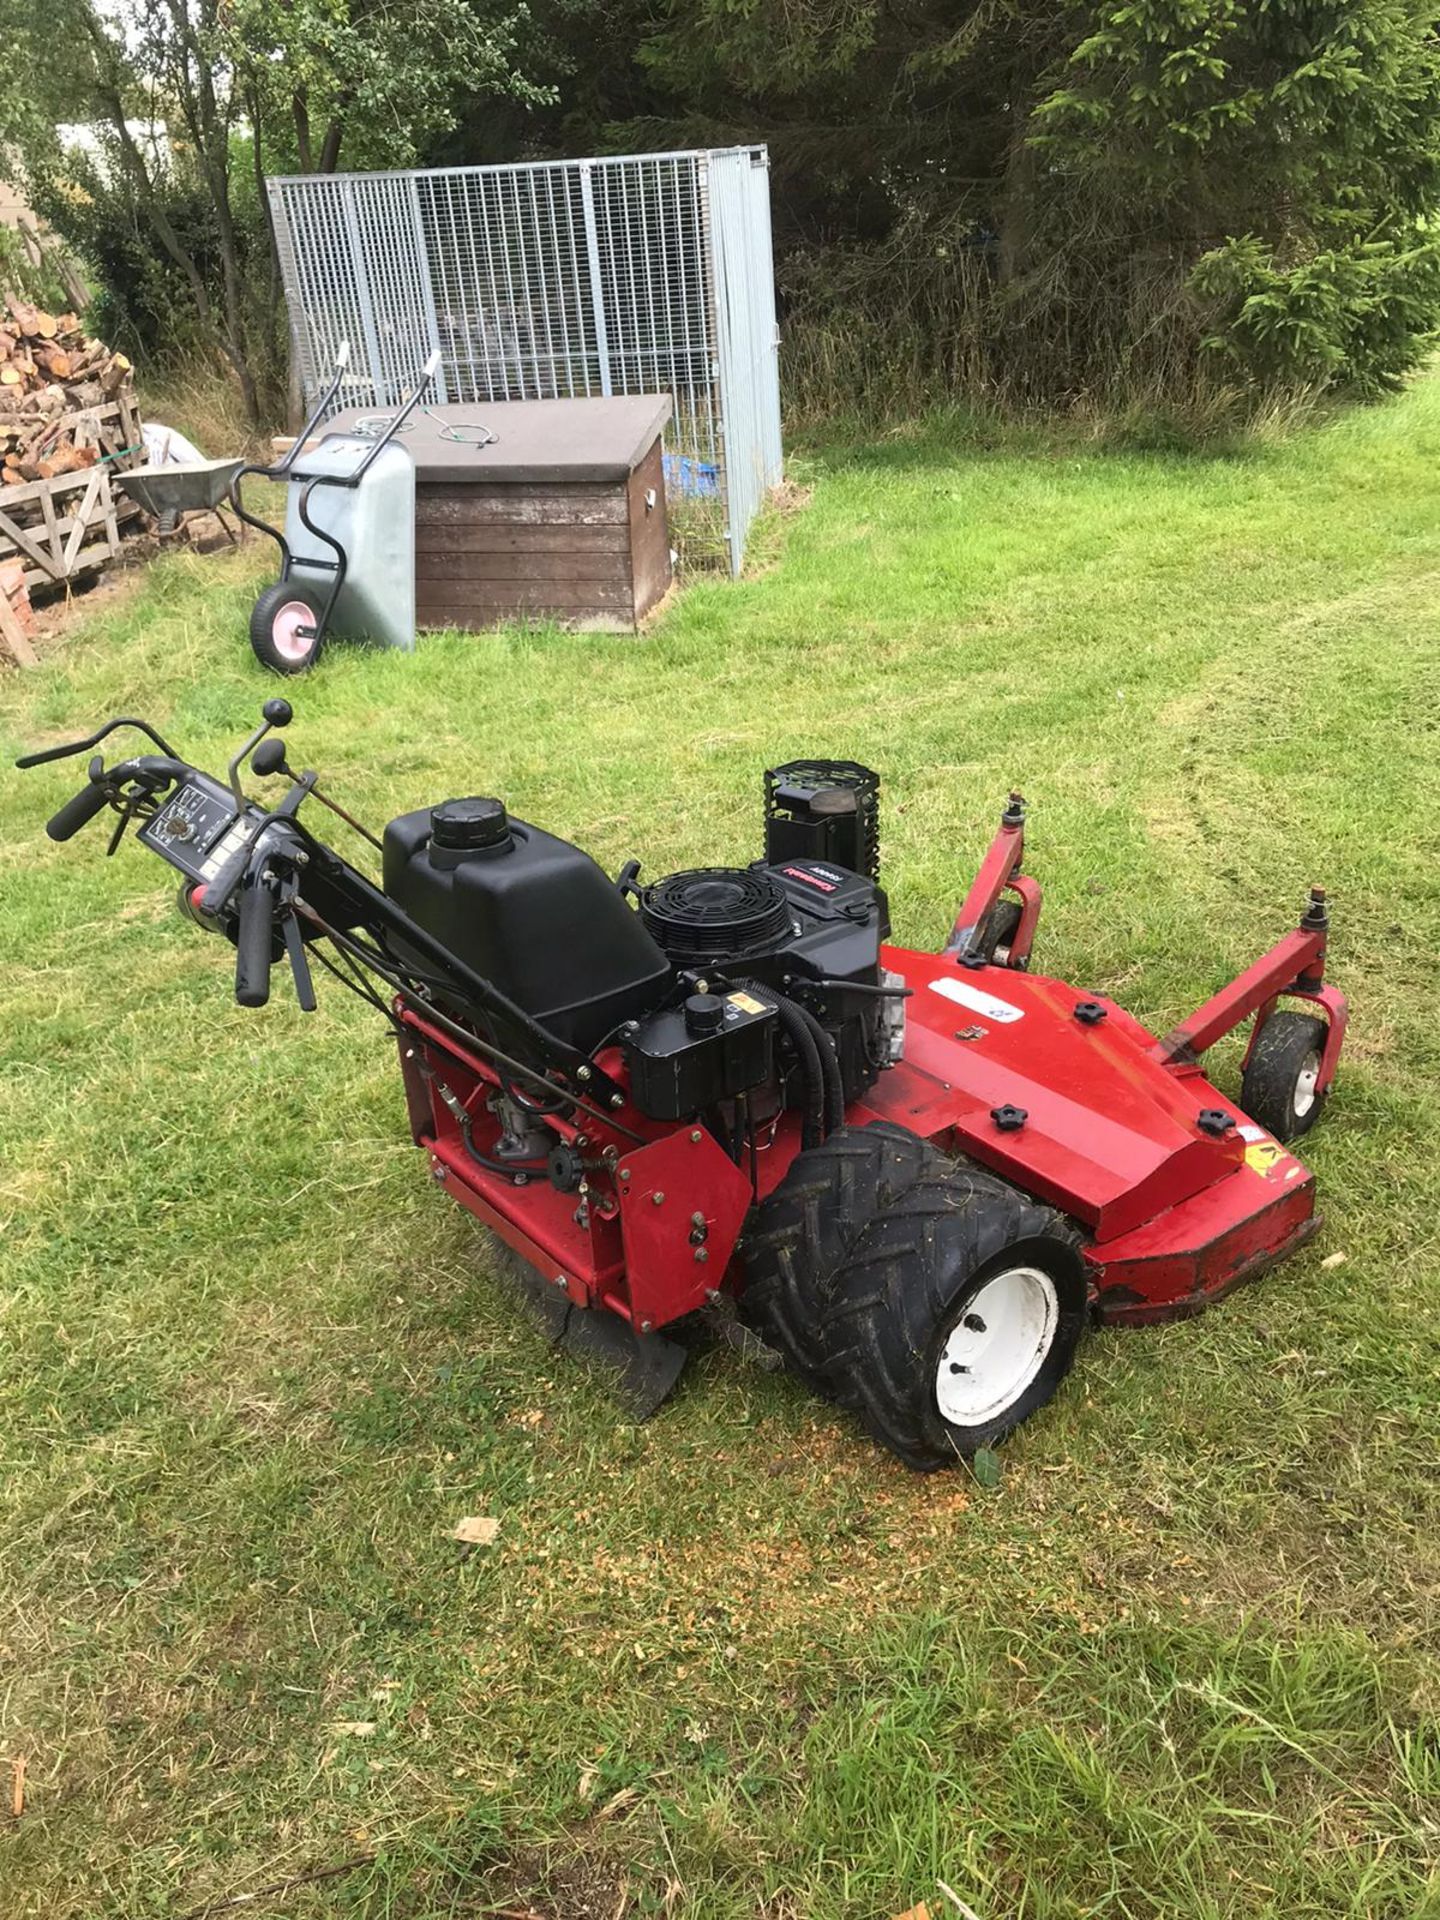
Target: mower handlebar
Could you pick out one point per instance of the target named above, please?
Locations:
(254, 944)
(42, 755)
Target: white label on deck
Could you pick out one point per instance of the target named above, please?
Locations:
(977, 1000)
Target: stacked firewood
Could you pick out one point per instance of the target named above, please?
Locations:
(52, 378)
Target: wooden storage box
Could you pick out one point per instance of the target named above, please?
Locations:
(561, 518)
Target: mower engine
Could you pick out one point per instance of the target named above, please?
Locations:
(721, 985)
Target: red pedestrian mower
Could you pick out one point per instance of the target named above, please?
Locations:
(914, 1178)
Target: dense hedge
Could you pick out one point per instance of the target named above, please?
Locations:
(1156, 198)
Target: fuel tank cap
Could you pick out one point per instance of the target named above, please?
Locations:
(469, 826)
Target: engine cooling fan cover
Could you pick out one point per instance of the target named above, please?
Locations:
(715, 913)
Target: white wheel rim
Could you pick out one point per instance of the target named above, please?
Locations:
(290, 643)
(997, 1346)
(1305, 1080)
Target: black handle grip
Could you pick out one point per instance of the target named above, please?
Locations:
(255, 943)
(76, 811)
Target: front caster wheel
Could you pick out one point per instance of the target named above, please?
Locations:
(285, 627)
(955, 1317)
(1279, 1087)
(997, 932)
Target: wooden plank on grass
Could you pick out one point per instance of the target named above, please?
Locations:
(14, 635)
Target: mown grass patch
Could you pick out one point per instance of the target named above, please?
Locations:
(737, 1663)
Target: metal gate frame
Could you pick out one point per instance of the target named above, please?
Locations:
(639, 274)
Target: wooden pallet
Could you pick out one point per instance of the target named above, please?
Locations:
(73, 523)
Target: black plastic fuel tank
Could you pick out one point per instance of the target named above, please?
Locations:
(530, 912)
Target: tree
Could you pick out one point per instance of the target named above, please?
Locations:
(1063, 200)
(190, 102)
(381, 83)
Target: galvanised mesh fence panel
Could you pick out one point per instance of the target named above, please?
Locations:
(646, 274)
(746, 338)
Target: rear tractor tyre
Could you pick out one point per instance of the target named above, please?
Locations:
(1279, 1085)
(799, 1235)
(955, 1317)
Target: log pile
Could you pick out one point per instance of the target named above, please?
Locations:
(67, 422)
(52, 380)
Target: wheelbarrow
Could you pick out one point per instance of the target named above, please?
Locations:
(347, 552)
(169, 492)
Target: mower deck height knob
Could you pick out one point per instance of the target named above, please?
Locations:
(1215, 1121)
(1009, 1119)
(1089, 1012)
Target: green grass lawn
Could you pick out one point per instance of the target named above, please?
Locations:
(739, 1663)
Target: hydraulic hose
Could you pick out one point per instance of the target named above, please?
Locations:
(794, 1020)
(829, 1069)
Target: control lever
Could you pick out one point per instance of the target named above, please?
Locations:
(295, 947)
(266, 894)
(274, 713)
(269, 757)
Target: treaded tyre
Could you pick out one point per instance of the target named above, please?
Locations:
(276, 620)
(1278, 1086)
(955, 1316)
(998, 930)
(800, 1234)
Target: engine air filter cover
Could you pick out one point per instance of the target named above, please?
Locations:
(824, 810)
(715, 913)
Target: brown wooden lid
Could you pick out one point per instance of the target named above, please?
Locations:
(536, 440)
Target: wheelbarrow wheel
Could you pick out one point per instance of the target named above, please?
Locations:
(1278, 1087)
(284, 627)
(955, 1317)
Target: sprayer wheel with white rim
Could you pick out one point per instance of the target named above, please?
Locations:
(1279, 1085)
(799, 1234)
(277, 627)
(955, 1317)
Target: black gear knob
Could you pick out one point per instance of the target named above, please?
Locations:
(268, 758)
(278, 712)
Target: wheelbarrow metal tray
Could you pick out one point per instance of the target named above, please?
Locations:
(373, 522)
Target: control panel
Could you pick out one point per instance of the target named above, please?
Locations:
(197, 829)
